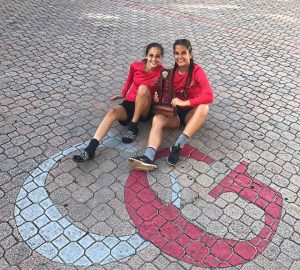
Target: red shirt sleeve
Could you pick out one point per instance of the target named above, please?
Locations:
(202, 92)
(129, 81)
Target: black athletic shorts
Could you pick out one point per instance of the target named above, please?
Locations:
(129, 107)
(182, 113)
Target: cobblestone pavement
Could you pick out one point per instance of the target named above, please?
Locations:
(60, 63)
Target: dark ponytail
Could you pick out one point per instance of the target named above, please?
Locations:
(187, 44)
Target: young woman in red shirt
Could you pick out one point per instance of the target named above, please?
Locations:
(137, 95)
(193, 93)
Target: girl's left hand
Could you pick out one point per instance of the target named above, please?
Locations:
(116, 97)
(178, 102)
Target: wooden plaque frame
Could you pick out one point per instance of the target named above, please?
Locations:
(165, 93)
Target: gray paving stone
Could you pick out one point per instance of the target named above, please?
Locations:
(101, 228)
(293, 210)
(135, 262)
(4, 177)
(77, 212)
(1, 252)
(3, 263)
(239, 230)
(203, 221)
(82, 195)
(102, 212)
(29, 263)
(174, 266)
(296, 238)
(284, 260)
(289, 220)
(149, 266)
(233, 211)
(289, 195)
(254, 212)
(221, 203)
(272, 252)
(65, 59)
(290, 249)
(5, 230)
(204, 180)
(122, 227)
(264, 262)
(119, 209)
(149, 254)
(191, 212)
(217, 228)
(17, 253)
(161, 261)
(295, 265)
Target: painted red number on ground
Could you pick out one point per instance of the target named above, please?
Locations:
(166, 228)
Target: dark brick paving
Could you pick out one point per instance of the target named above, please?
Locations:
(60, 61)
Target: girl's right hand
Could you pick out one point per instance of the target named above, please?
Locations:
(113, 98)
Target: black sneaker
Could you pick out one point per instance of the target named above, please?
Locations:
(82, 157)
(141, 163)
(130, 134)
(173, 157)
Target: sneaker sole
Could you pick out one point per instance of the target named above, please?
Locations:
(81, 161)
(141, 166)
(126, 142)
(78, 160)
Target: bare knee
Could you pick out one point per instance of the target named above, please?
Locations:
(158, 121)
(113, 113)
(202, 110)
(143, 91)
(199, 113)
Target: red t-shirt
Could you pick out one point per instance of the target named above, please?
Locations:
(136, 77)
(198, 92)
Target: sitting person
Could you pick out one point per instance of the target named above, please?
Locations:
(137, 94)
(193, 93)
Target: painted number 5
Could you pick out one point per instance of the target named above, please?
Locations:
(169, 230)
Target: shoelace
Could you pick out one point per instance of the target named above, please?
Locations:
(175, 151)
(84, 155)
(129, 134)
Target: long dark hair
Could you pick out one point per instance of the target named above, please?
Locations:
(154, 45)
(187, 44)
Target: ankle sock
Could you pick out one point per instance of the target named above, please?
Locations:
(92, 147)
(150, 153)
(182, 140)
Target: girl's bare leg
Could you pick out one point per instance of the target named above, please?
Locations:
(159, 122)
(145, 162)
(114, 114)
(195, 119)
(142, 107)
(142, 103)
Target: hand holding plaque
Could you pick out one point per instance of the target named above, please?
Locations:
(165, 94)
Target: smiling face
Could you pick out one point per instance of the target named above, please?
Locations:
(154, 58)
(182, 57)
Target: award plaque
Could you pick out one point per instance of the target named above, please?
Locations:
(165, 94)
